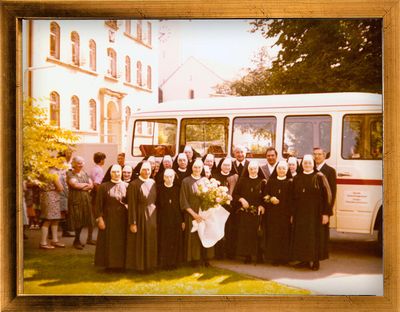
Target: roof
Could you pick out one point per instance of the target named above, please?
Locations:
(267, 102)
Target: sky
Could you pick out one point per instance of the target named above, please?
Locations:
(228, 44)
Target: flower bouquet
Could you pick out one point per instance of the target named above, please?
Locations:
(212, 196)
(271, 199)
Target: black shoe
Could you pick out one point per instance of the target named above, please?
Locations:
(78, 245)
(91, 242)
(315, 266)
(302, 265)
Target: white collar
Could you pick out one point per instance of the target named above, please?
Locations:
(240, 162)
(281, 178)
(168, 186)
(182, 170)
(224, 174)
(308, 172)
(144, 180)
(255, 177)
(271, 168)
(116, 181)
(196, 178)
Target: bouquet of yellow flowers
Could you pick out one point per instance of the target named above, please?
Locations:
(271, 199)
(212, 194)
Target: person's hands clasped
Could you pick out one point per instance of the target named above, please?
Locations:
(245, 203)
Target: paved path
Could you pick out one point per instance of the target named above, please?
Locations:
(352, 269)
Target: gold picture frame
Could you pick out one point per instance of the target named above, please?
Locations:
(10, 183)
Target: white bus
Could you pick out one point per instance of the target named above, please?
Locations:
(346, 125)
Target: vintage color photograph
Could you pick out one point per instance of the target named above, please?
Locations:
(202, 157)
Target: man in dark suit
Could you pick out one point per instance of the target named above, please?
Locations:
(272, 159)
(328, 171)
(240, 163)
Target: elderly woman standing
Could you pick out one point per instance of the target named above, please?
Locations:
(51, 204)
(247, 196)
(111, 217)
(141, 252)
(194, 252)
(170, 222)
(277, 195)
(79, 200)
(310, 216)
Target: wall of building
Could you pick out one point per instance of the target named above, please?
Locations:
(45, 74)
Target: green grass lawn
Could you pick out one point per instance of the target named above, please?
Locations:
(69, 271)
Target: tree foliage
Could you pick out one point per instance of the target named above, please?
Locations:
(41, 144)
(317, 55)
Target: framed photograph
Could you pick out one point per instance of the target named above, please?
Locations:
(33, 50)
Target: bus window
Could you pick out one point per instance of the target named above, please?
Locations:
(205, 135)
(362, 136)
(256, 134)
(154, 137)
(303, 133)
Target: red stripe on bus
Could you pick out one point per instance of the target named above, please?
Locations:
(359, 182)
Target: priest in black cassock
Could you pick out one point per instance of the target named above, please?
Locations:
(193, 250)
(181, 168)
(247, 196)
(170, 222)
(310, 216)
(141, 246)
(240, 163)
(329, 172)
(227, 177)
(111, 214)
(277, 198)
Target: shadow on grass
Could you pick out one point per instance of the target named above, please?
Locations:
(68, 266)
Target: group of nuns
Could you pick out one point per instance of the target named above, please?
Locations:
(145, 219)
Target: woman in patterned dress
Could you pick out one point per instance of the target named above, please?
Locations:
(50, 203)
(79, 200)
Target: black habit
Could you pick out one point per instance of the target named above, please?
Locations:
(193, 250)
(247, 239)
(170, 219)
(311, 200)
(277, 219)
(141, 251)
(111, 242)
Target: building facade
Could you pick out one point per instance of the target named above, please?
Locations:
(92, 75)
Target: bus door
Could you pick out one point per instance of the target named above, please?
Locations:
(359, 173)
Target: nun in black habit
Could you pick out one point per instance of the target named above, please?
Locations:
(170, 222)
(277, 198)
(311, 210)
(247, 196)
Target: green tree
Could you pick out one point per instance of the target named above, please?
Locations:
(318, 55)
(41, 143)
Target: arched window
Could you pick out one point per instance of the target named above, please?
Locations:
(139, 30)
(55, 109)
(128, 27)
(92, 55)
(75, 48)
(92, 115)
(148, 77)
(112, 57)
(127, 68)
(127, 117)
(54, 40)
(139, 73)
(75, 112)
(149, 33)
